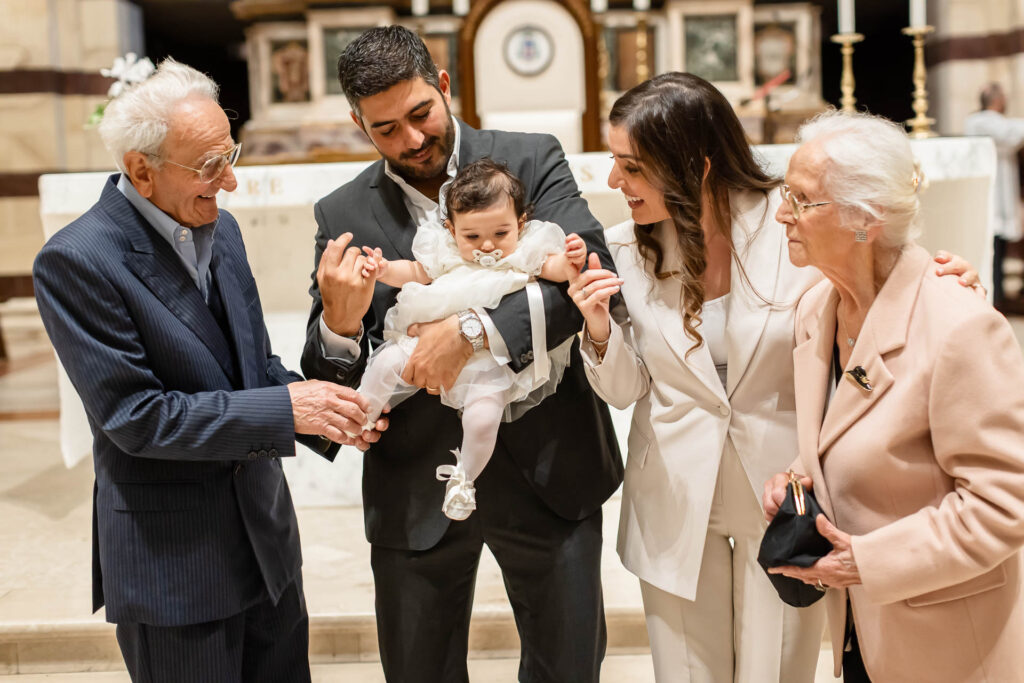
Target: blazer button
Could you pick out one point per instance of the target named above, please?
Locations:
(272, 452)
(724, 410)
(253, 455)
(263, 454)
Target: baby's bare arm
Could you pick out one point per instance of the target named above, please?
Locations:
(398, 272)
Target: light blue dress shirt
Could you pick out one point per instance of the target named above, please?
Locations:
(194, 246)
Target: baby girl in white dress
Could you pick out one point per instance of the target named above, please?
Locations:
(485, 249)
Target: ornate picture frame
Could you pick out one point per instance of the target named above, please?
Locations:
(789, 36)
(714, 39)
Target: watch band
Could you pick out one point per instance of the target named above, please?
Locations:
(477, 340)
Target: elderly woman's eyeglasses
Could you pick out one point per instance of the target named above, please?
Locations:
(795, 204)
(214, 166)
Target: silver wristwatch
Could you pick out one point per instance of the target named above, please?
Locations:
(471, 329)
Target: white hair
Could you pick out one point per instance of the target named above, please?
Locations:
(870, 172)
(138, 119)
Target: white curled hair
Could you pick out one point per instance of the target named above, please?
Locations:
(870, 172)
(137, 120)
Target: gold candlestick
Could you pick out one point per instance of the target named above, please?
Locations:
(642, 72)
(846, 83)
(920, 125)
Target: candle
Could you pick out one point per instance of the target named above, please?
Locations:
(460, 7)
(918, 14)
(846, 16)
(598, 6)
(641, 5)
(420, 7)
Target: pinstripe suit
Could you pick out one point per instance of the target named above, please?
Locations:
(192, 518)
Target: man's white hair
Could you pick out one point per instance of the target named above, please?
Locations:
(870, 172)
(138, 119)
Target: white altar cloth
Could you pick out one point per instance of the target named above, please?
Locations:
(273, 205)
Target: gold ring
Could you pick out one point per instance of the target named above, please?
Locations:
(821, 586)
(431, 389)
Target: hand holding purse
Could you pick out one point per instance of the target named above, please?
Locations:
(792, 538)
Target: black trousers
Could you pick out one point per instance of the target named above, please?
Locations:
(266, 642)
(552, 573)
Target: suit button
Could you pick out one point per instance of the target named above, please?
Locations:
(253, 455)
(723, 410)
(272, 452)
(263, 454)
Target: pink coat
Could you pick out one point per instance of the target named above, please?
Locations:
(925, 471)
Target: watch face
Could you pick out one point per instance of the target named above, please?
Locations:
(472, 327)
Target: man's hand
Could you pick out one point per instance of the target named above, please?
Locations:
(345, 292)
(439, 357)
(330, 410)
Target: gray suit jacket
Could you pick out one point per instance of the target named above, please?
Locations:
(565, 447)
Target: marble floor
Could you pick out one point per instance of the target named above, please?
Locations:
(48, 633)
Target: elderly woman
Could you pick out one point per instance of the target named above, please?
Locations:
(910, 416)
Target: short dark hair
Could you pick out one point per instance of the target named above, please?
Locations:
(989, 93)
(482, 184)
(381, 58)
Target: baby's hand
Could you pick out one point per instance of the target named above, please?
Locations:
(376, 264)
(575, 250)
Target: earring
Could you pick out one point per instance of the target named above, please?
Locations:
(860, 235)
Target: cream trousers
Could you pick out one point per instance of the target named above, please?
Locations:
(737, 629)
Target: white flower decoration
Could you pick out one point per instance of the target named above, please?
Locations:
(128, 70)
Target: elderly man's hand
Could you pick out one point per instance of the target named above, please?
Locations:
(838, 569)
(330, 410)
(439, 357)
(345, 291)
(363, 441)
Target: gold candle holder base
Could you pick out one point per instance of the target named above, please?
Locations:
(847, 83)
(920, 125)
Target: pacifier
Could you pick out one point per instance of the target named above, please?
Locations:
(487, 259)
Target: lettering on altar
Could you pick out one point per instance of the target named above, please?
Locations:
(267, 185)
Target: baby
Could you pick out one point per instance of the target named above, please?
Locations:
(485, 249)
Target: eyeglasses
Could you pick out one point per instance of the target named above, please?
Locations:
(795, 203)
(213, 167)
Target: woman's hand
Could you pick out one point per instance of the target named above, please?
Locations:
(951, 264)
(775, 493)
(590, 291)
(838, 569)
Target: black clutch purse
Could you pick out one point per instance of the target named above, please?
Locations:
(793, 539)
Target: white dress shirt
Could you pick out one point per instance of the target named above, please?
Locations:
(1008, 135)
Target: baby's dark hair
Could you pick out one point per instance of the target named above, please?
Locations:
(482, 184)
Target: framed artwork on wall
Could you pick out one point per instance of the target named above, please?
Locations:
(714, 40)
(278, 69)
(788, 36)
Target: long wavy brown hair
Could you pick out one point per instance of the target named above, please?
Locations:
(674, 122)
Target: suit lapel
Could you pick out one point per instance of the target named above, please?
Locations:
(237, 312)
(666, 305)
(392, 216)
(757, 240)
(812, 365)
(884, 331)
(158, 268)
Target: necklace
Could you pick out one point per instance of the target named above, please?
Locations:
(850, 341)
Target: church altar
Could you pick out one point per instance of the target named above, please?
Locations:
(273, 205)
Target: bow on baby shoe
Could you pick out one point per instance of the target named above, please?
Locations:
(460, 494)
(487, 259)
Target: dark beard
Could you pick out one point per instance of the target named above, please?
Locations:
(414, 173)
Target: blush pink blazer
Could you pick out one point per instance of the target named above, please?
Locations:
(926, 471)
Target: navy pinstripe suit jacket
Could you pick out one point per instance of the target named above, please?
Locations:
(192, 517)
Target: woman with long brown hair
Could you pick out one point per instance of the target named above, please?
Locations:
(703, 346)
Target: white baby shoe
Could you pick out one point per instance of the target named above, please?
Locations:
(460, 494)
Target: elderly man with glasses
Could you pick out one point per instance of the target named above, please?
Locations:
(153, 310)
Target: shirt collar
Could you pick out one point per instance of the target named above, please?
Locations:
(166, 226)
(414, 194)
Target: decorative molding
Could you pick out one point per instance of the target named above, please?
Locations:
(961, 48)
(580, 12)
(25, 184)
(23, 81)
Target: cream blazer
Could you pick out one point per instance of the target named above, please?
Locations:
(926, 471)
(683, 414)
